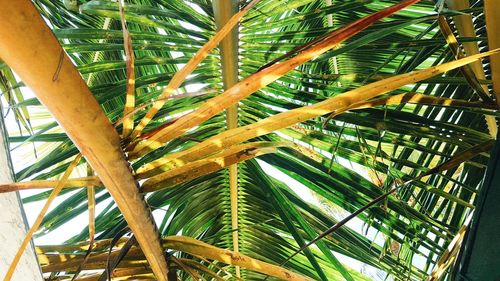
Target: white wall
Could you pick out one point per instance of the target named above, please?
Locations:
(12, 224)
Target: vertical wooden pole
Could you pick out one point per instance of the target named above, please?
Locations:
(224, 10)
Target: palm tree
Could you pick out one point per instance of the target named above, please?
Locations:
(303, 116)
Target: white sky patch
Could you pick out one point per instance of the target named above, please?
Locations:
(189, 26)
(175, 55)
(196, 8)
(195, 87)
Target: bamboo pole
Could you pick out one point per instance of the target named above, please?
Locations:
(228, 49)
(465, 28)
(492, 11)
(30, 48)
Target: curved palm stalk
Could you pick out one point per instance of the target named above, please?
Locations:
(337, 104)
(179, 243)
(261, 79)
(196, 248)
(235, 151)
(70, 183)
(203, 167)
(128, 122)
(43, 65)
(417, 98)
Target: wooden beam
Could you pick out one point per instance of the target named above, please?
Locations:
(30, 48)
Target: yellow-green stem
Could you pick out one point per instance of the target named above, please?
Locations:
(333, 61)
(228, 48)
